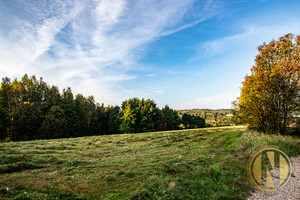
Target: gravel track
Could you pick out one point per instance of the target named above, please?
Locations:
(290, 192)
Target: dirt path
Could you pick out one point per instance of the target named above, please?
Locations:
(290, 192)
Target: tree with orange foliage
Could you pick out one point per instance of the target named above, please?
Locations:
(270, 96)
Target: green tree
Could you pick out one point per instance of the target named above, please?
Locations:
(26, 122)
(54, 124)
(2, 123)
(88, 115)
(146, 115)
(51, 97)
(192, 121)
(113, 120)
(186, 120)
(32, 90)
(68, 105)
(128, 119)
(91, 116)
(3, 119)
(198, 122)
(6, 96)
(172, 118)
(163, 125)
(149, 116)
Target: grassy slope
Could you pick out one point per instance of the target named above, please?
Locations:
(190, 164)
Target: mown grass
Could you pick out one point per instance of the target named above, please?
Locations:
(205, 163)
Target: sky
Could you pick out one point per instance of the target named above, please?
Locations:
(182, 53)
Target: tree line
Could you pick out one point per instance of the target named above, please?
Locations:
(212, 117)
(32, 109)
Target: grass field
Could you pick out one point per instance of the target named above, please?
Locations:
(207, 163)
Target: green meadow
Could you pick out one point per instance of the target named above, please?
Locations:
(207, 163)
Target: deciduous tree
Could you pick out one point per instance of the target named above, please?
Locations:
(271, 94)
(128, 119)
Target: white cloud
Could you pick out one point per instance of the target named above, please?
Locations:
(151, 75)
(91, 46)
(217, 46)
(31, 39)
(160, 92)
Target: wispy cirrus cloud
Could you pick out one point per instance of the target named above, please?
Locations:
(37, 26)
(93, 45)
(250, 34)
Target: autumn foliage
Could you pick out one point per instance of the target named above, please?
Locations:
(270, 95)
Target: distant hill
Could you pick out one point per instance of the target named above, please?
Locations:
(218, 117)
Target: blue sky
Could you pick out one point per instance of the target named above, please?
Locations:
(183, 53)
